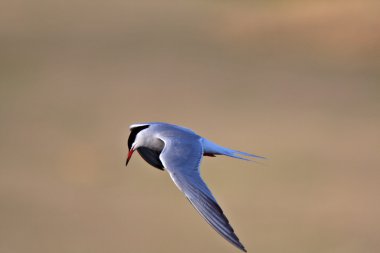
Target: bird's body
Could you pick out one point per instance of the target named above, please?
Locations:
(179, 150)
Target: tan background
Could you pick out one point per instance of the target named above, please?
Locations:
(295, 81)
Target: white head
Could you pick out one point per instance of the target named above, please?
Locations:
(134, 139)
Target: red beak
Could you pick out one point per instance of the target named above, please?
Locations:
(129, 156)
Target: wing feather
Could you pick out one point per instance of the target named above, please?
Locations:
(182, 158)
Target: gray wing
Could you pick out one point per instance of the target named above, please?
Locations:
(182, 158)
(151, 156)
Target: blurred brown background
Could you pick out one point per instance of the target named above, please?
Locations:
(295, 81)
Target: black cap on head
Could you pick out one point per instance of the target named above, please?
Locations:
(132, 135)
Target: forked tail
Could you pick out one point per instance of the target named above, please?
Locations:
(210, 148)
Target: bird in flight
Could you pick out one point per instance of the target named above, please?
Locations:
(179, 151)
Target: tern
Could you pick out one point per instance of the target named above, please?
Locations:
(179, 151)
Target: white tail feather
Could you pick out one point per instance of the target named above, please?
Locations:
(212, 148)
